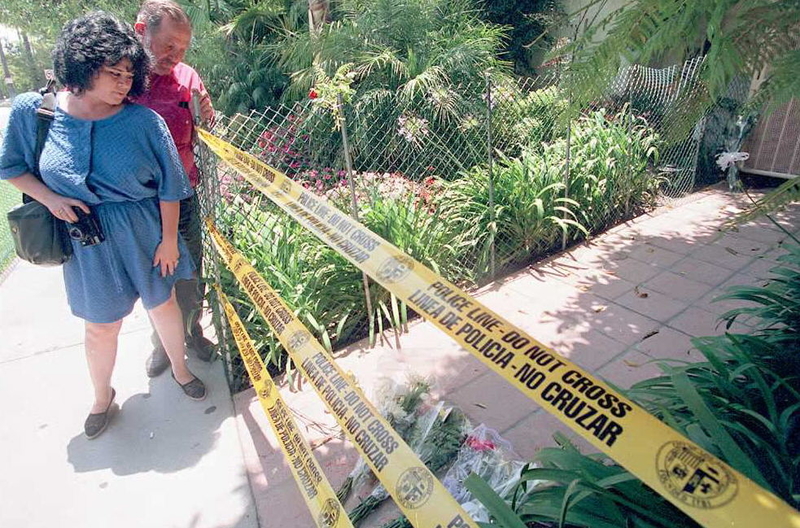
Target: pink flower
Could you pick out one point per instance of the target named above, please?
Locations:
(480, 445)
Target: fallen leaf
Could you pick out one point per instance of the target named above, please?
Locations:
(482, 406)
(651, 333)
(598, 309)
(631, 363)
(638, 293)
(731, 251)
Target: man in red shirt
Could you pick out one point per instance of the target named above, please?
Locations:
(166, 32)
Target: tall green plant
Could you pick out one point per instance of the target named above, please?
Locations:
(589, 491)
(407, 60)
(315, 281)
(526, 218)
(775, 312)
(409, 47)
(611, 167)
(408, 215)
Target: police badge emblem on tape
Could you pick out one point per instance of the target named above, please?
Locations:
(415, 487)
(266, 389)
(693, 477)
(299, 339)
(396, 268)
(330, 513)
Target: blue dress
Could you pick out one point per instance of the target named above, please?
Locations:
(121, 166)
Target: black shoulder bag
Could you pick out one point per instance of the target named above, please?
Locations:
(39, 237)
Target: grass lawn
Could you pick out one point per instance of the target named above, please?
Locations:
(9, 197)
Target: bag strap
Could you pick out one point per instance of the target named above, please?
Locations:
(44, 116)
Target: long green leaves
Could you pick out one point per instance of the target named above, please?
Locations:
(503, 515)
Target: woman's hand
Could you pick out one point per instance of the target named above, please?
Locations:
(167, 257)
(61, 207)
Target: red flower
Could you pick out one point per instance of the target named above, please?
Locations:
(480, 445)
(312, 94)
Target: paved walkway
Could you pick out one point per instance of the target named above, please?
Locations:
(636, 294)
(164, 462)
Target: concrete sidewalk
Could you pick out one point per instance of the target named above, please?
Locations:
(165, 461)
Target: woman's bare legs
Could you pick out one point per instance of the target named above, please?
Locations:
(101, 354)
(168, 322)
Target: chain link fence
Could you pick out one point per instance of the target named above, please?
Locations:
(9, 197)
(473, 181)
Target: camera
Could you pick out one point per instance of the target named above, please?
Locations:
(86, 230)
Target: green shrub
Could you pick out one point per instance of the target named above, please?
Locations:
(521, 119)
(611, 167)
(776, 312)
(589, 492)
(315, 281)
(529, 217)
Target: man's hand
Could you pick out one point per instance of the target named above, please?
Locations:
(206, 109)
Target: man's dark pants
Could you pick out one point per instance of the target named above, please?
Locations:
(189, 292)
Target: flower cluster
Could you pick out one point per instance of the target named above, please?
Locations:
(412, 128)
(284, 148)
(231, 185)
(323, 180)
(385, 186)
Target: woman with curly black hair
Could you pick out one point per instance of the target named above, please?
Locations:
(116, 161)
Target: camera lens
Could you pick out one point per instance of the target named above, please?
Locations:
(75, 233)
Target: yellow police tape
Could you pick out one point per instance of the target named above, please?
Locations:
(420, 496)
(704, 487)
(317, 492)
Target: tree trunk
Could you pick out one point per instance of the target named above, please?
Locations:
(36, 74)
(7, 74)
(317, 14)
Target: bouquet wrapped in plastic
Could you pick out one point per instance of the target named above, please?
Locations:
(433, 430)
(492, 458)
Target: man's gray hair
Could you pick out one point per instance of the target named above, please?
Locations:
(153, 12)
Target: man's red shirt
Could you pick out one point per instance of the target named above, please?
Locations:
(171, 97)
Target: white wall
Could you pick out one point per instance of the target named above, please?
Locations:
(600, 10)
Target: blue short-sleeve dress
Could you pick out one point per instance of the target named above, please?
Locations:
(121, 166)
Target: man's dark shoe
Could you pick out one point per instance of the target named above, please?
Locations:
(157, 362)
(96, 423)
(203, 349)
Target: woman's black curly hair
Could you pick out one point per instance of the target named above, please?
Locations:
(95, 40)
